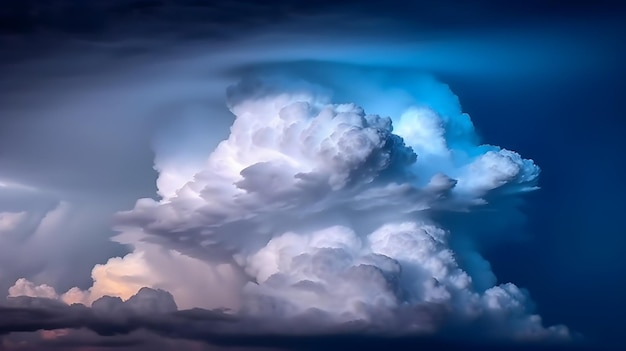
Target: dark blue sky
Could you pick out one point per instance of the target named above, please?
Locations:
(564, 109)
(573, 261)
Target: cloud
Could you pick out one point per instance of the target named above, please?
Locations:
(107, 316)
(302, 199)
(151, 320)
(42, 239)
(23, 287)
(329, 214)
(84, 339)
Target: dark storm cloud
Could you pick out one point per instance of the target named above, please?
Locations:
(83, 18)
(80, 340)
(148, 309)
(149, 320)
(30, 28)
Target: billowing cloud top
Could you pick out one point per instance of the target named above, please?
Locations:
(317, 211)
(315, 214)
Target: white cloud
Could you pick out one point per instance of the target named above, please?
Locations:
(23, 287)
(327, 209)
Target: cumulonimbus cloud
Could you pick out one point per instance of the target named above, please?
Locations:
(317, 213)
(315, 210)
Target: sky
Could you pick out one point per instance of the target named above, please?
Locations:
(304, 175)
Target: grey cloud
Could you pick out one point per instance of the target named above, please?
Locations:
(53, 238)
(127, 325)
(209, 330)
(81, 339)
(108, 316)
